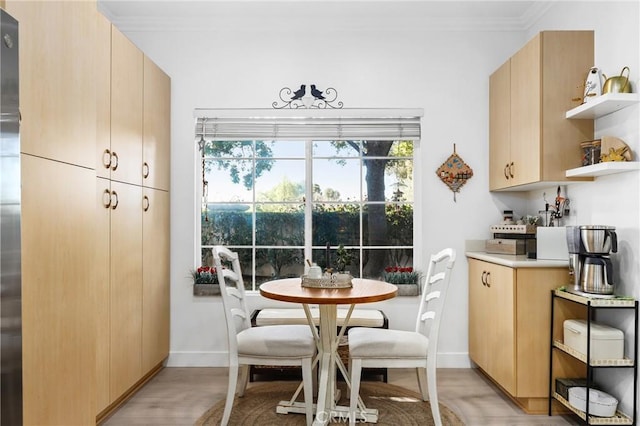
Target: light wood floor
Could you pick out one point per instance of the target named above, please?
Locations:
(178, 396)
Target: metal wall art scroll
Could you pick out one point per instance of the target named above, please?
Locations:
(307, 97)
(454, 172)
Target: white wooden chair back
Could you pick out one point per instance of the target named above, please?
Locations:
(434, 294)
(233, 294)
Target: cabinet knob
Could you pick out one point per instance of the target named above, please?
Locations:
(145, 170)
(487, 279)
(511, 170)
(506, 171)
(145, 203)
(484, 278)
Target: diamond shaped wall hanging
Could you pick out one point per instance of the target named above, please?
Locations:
(454, 172)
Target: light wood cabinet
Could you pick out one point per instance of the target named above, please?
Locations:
(133, 124)
(491, 321)
(95, 263)
(155, 284)
(500, 126)
(57, 87)
(509, 310)
(58, 298)
(125, 287)
(58, 137)
(157, 127)
(125, 157)
(119, 333)
(102, 247)
(531, 142)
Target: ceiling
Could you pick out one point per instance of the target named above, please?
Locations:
(286, 15)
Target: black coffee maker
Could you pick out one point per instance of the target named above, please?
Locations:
(589, 261)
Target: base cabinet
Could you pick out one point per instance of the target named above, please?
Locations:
(508, 328)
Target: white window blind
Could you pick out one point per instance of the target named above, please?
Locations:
(317, 124)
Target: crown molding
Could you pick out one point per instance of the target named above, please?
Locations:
(282, 16)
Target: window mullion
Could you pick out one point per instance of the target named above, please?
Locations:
(308, 204)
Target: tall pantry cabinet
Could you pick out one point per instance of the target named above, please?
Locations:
(133, 200)
(73, 281)
(58, 129)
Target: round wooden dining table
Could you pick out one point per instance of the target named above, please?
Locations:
(328, 299)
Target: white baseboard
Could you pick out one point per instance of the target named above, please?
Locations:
(220, 359)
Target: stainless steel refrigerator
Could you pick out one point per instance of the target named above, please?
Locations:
(10, 248)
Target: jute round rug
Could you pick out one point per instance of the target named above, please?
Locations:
(396, 406)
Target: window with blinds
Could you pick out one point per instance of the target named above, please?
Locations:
(279, 188)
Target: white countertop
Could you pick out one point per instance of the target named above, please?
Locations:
(516, 261)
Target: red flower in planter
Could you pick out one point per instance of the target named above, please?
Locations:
(205, 275)
(400, 275)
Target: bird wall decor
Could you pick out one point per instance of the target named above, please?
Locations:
(301, 98)
(298, 94)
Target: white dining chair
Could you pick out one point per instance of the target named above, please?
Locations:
(377, 347)
(286, 345)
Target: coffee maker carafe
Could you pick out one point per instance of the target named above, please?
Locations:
(589, 262)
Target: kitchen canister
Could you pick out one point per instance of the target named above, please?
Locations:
(591, 152)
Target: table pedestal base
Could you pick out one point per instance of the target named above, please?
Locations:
(369, 415)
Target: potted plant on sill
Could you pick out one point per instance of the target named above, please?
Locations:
(405, 277)
(205, 281)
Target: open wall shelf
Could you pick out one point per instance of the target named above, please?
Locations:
(603, 105)
(606, 168)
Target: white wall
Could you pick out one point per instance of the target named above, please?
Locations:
(444, 72)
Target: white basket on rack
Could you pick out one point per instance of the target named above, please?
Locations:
(601, 404)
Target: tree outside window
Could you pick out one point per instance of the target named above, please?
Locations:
(258, 201)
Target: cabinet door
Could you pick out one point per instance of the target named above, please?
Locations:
(126, 287)
(565, 57)
(155, 271)
(500, 329)
(156, 127)
(58, 293)
(103, 97)
(126, 109)
(478, 314)
(101, 269)
(526, 113)
(533, 325)
(499, 127)
(57, 86)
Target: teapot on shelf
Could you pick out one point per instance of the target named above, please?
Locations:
(617, 84)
